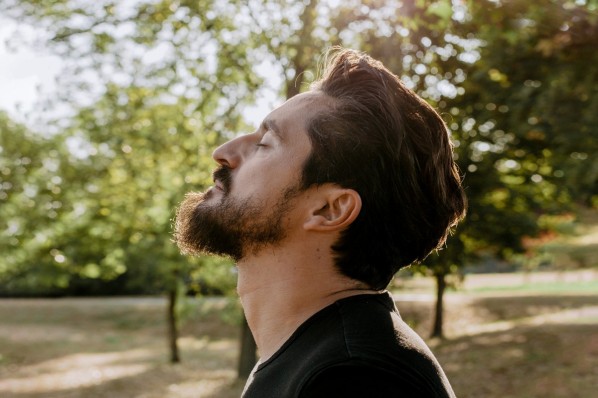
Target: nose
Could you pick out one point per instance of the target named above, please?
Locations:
(230, 154)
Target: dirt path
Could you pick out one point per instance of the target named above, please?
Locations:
(499, 345)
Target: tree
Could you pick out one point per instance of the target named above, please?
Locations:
(523, 116)
(147, 84)
(537, 61)
(461, 58)
(33, 204)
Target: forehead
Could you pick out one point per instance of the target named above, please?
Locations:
(292, 117)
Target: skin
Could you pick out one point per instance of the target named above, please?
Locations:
(282, 285)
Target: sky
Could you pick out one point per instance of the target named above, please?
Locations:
(22, 72)
(25, 72)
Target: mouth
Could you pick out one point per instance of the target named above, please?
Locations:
(222, 179)
(218, 185)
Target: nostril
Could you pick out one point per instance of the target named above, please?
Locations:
(222, 161)
(222, 156)
(229, 154)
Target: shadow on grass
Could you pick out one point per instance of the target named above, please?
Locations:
(207, 369)
(516, 346)
(554, 360)
(526, 346)
(110, 348)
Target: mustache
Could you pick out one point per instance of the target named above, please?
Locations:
(223, 174)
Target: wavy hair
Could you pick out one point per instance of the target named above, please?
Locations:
(382, 140)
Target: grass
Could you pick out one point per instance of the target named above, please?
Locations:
(570, 282)
(110, 348)
(579, 287)
(508, 335)
(521, 342)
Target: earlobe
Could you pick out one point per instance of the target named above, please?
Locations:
(339, 208)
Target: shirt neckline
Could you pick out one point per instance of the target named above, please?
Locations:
(384, 295)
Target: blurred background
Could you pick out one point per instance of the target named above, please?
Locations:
(109, 112)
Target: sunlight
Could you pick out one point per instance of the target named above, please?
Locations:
(75, 371)
(206, 385)
(583, 315)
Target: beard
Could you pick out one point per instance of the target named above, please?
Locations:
(230, 227)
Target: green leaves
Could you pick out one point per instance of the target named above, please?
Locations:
(154, 86)
(442, 9)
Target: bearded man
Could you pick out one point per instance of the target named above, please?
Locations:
(338, 189)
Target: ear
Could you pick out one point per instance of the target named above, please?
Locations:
(335, 209)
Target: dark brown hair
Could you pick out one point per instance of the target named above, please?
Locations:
(382, 140)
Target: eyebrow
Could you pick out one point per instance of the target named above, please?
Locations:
(270, 124)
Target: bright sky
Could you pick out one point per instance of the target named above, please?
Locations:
(22, 73)
(26, 71)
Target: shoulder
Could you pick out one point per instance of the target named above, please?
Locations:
(357, 347)
(355, 379)
(385, 357)
(372, 325)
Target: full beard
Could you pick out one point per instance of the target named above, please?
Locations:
(229, 228)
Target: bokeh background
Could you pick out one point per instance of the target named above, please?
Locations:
(130, 99)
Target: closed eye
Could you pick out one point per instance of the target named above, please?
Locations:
(264, 140)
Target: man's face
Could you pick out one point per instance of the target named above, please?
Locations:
(256, 188)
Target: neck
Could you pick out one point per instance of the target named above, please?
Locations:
(280, 289)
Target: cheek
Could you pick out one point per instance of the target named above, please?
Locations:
(270, 176)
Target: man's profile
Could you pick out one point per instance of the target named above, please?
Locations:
(337, 189)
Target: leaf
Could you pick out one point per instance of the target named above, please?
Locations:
(442, 9)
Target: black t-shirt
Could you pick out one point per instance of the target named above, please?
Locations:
(356, 347)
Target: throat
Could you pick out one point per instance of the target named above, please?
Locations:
(283, 286)
(274, 311)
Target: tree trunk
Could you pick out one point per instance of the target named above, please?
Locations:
(437, 329)
(173, 331)
(248, 357)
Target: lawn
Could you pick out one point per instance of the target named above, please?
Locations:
(506, 339)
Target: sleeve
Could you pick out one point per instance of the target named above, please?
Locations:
(353, 381)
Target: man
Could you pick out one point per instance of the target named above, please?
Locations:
(338, 189)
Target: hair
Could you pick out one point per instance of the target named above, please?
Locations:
(382, 140)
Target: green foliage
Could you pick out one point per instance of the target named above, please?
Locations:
(154, 86)
(129, 154)
(515, 85)
(33, 204)
(536, 86)
(524, 125)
